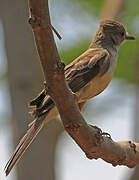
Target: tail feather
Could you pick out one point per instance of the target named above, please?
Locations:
(23, 145)
(42, 107)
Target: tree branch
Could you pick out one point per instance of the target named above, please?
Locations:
(91, 139)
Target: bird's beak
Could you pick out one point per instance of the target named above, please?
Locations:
(129, 37)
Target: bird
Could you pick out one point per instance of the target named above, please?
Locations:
(87, 76)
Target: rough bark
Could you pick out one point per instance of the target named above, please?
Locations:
(92, 140)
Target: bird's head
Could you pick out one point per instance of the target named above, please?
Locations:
(111, 33)
(115, 31)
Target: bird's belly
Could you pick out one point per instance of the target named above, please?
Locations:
(95, 86)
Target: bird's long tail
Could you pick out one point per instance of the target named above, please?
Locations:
(22, 146)
(45, 109)
(34, 128)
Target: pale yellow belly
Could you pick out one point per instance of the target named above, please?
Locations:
(95, 87)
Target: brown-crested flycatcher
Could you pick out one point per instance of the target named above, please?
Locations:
(87, 76)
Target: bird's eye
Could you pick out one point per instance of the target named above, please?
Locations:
(122, 33)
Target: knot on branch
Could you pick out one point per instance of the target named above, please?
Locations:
(92, 155)
(60, 66)
(73, 127)
(118, 161)
(35, 21)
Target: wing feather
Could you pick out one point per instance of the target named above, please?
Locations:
(81, 72)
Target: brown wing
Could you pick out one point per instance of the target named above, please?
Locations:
(93, 62)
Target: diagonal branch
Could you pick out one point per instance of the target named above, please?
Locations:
(93, 142)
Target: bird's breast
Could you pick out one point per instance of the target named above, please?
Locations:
(97, 84)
